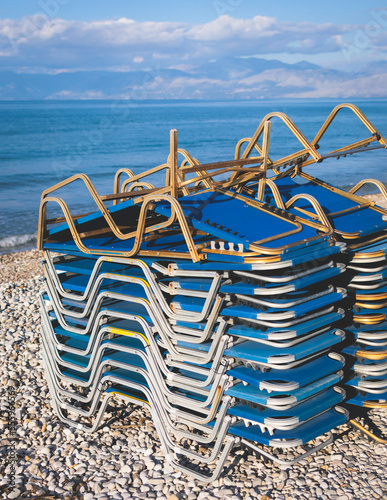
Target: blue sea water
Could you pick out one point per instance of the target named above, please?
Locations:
(42, 143)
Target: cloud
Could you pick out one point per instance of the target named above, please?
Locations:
(38, 41)
(226, 27)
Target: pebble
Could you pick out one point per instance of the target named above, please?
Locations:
(223, 492)
(15, 493)
(128, 463)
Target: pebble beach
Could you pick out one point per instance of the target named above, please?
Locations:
(123, 459)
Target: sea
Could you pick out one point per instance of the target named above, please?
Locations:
(44, 142)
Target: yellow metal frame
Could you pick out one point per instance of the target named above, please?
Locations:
(147, 194)
(350, 149)
(365, 431)
(176, 212)
(362, 118)
(371, 297)
(372, 305)
(372, 355)
(309, 155)
(308, 150)
(378, 184)
(369, 319)
(244, 171)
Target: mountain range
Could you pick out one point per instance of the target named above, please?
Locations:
(226, 78)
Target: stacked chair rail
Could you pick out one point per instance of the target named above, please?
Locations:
(237, 307)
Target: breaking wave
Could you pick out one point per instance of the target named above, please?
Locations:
(17, 242)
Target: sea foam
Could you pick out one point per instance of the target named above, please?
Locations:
(17, 241)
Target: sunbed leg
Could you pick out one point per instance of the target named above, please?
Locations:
(366, 432)
(230, 441)
(288, 462)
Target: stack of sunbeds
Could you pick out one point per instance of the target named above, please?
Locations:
(226, 307)
(367, 356)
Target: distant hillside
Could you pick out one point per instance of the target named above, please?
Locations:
(227, 78)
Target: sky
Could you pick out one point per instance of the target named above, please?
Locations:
(120, 35)
(193, 11)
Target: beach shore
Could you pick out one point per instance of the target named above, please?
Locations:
(123, 460)
(20, 266)
(378, 199)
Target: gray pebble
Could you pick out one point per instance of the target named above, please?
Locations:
(14, 493)
(126, 469)
(156, 481)
(122, 480)
(223, 492)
